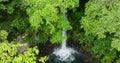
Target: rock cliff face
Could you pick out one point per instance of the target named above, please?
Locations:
(23, 48)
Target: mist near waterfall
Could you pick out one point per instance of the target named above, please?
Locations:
(65, 54)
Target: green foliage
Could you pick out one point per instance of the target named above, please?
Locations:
(44, 20)
(118, 61)
(13, 19)
(9, 53)
(27, 57)
(43, 59)
(48, 12)
(48, 16)
(45, 17)
(9, 8)
(106, 59)
(101, 19)
(57, 36)
(3, 35)
(20, 24)
(101, 25)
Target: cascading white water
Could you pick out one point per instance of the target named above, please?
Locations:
(64, 53)
(65, 39)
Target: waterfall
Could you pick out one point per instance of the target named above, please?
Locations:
(64, 34)
(64, 54)
(65, 39)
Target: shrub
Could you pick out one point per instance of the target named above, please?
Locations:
(3, 35)
(9, 53)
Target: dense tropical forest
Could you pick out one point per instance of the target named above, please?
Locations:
(31, 29)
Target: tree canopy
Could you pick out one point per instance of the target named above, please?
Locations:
(94, 23)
